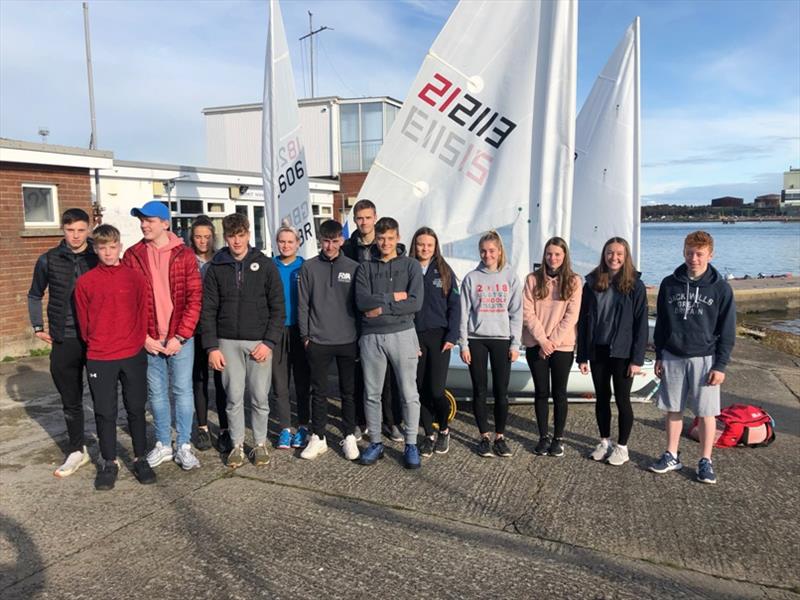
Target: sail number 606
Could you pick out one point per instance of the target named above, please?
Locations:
(293, 173)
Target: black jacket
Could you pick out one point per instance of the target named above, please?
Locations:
(242, 300)
(629, 339)
(696, 318)
(437, 309)
(56, 271)
(355, 250)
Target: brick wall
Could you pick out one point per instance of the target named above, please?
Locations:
(20, 249)
(349, 186)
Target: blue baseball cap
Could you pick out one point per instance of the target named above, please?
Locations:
(154, 208)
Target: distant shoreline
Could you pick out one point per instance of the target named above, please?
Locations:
(727, 220)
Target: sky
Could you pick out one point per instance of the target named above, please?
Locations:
(720, 79)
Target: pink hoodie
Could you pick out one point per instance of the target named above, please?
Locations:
(158, 259)
(551, 319)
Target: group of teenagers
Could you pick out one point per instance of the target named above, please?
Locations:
(156, 318)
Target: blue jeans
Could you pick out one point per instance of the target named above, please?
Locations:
(172, 375)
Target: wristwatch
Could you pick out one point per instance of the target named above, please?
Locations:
(181, 339)
(37, 328)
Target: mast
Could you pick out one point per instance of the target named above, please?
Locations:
(637, 159)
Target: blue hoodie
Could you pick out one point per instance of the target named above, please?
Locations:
(289, 274)
(696, 318)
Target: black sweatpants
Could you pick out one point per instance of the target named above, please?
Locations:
(606, 369)
(495, 352)
(200, 383)
(319, 359)
(289, 360)
(432, 378)
(67, 360)
(103, 377)
(550, 375)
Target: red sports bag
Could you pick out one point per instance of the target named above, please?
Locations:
(745, 425)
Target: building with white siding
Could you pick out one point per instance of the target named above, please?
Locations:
(342, 137)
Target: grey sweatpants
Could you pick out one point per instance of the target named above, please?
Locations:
(401, 350)
(242, 371)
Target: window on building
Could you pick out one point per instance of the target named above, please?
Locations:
(363, 127)
(40, 203)
(351, 155)
(192, 207)
(259, 227)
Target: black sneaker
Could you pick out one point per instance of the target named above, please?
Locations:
(542, 446)
(203, 439)
(224, 443)
(107, 471)
(442, 443)
(556, 448)
(426, 446)
(484, 447)
(501, 448)
(144, 472)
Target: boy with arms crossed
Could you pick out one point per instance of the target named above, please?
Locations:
(694, 337)
(389, 291)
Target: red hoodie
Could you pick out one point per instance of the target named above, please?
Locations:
(111, 307)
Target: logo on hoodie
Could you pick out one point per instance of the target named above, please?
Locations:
(344, 277)
(255, 266)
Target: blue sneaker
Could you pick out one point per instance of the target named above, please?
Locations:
(705, 472)
(285, 439)
(300, 438)
(667, 463)
(371, 454)
(411, 457)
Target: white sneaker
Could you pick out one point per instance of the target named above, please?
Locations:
(601, 452)
(618, 456)
(74, 461)
(350, 447)
(316, 446)
(186, 458)
(159, 454)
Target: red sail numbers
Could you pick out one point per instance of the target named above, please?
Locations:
(457, 146)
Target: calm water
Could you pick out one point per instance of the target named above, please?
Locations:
(740, 249)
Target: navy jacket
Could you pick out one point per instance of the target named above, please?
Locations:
(630, 323)
(696, 318)
(437, 309)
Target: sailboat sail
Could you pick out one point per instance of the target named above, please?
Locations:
(606, 190)
(485, 137)
(283, 164)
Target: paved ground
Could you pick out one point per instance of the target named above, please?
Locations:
(461, 527)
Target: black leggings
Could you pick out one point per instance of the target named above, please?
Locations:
(555, 368)
(431, 379)
(485, 351)
(200, 383)
(606, 369)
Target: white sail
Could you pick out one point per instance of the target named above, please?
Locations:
(485, 137)
(606, 192)
(283, 165)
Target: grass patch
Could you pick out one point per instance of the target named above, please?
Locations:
(8, 359)
(39, 351)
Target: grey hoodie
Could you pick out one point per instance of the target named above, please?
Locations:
(491, 306)
(326, 311)
(376, 283)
